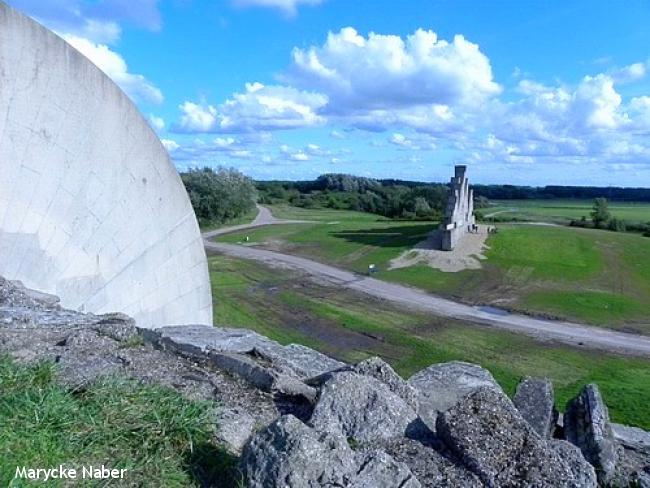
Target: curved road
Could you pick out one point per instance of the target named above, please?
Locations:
(566, 332)
(264, 217)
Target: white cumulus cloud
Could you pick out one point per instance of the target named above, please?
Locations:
(258, 108)
(387, 71)
(111, 63)
(196, 117)
(157, 123)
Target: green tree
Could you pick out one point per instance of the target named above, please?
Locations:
(221, 195)
(600, 214)
(421, 207)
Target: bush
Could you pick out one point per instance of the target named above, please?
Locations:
(616, 225)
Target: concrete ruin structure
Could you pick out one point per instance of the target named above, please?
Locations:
(91, 207)
(459, 214)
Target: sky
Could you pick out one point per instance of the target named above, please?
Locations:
(523, 92)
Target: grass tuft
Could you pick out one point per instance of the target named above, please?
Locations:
(151, 430)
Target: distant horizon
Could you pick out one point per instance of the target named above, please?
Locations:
(532, 93)
(471, 181)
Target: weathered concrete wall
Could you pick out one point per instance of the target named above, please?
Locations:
(91, 208)
(459, 214)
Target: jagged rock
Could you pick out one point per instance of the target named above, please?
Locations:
(361, 408)
(535, 401)
(430, 467)
(380, 370)
(643, 479)
(632, 437)
(199, 339)
(583, 472)
(265, 363)
(440, 386)
(289, 453)
(586, 425)
(376, 469)
(86, 356)
(303, 361)
(294, 359)
(117, 326)
(234, 428)
(492, 439)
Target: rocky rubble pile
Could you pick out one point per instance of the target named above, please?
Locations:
(298, 418)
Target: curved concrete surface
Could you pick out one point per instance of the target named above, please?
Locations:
(554, 330)
(91, 208)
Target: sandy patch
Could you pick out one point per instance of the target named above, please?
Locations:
(467, 254)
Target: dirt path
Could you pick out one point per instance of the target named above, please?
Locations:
(566, 332)
(487, 216)
(264, 217)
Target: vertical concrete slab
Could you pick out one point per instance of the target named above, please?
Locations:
(91, 207)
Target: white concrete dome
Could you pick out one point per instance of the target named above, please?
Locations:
(91, 207)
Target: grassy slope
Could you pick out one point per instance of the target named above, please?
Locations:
(566, 210)
(150, 430)
(352, 327)
(598, 277)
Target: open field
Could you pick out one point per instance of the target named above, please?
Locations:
(593, 276)
(291, 308)
(563, 211)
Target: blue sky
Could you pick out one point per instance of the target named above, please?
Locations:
(527, 92)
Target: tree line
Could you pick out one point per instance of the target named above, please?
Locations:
(221, 195)
(390, 199)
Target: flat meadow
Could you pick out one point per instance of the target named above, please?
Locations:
(564, 210)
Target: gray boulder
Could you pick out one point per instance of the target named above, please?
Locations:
(583, 472)
(430, 467)
(536, 402)
(262, 362)
(361, 408)
(288, 453)
(441, 386)
(586, 425)
(632, 437)
(643, 479)
(376, 469)
(234, 428)
(379, 369)
(488, 434)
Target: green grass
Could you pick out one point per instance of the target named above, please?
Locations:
(161, 438)
(565, 210)
(352, 327)
(550, 253)
(594, 306)
(350, 239)
(526, 266)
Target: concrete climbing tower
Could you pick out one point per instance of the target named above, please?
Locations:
(459, 214)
